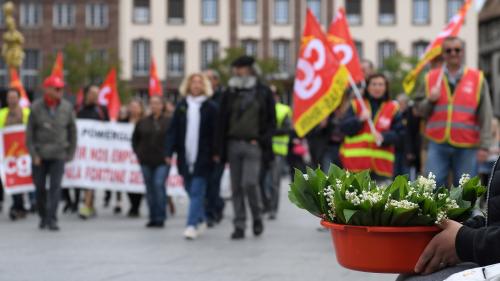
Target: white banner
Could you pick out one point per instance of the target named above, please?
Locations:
(104, 159)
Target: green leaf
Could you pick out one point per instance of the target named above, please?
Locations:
(348, 214)
(459, 214)
(335, 172)
(398, 188)
(401, 217)
(304, 194)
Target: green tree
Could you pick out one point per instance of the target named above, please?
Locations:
(84, 65)
(395, 69)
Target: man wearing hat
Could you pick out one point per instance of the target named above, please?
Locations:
(246, 125)
(51, 141)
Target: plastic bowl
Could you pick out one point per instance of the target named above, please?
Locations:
(379, 249)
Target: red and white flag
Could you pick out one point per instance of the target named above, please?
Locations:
(16, 83)
(58, 68)
(154, 83)
(320, 79)
(108, 95)
(343, 46)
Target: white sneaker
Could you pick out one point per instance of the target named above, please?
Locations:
(201, 228)
(190, 233)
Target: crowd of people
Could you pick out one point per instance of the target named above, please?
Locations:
(446, 129)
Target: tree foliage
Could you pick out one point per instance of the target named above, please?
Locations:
(396, 68)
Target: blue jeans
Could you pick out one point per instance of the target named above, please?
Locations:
(196, 188)
(156, 193)
(441, 158)
(215, 203)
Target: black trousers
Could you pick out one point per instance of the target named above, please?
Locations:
(48, 198)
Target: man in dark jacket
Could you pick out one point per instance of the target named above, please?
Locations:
(51, 141)
(214, 202)
(247, 122)
(477, 241)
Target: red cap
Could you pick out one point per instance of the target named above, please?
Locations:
(54, 82)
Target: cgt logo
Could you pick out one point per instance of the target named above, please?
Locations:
(313, 60)
(104, 95)
(344, 52)
(18, 166)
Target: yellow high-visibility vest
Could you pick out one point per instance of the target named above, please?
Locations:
(280, 143)
(4, 112)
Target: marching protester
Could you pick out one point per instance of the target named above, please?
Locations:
(215, 203)
(148, 144)
(134, 112)
(458, 110)
(51, 141)
(362, 148)
(13, 114)
(335, 135)
(281, 139)
(191, 136)
(93, 111)
(247, 120)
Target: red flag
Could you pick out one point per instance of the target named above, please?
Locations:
(58, 68)
(320, 80)
(343, 46)
(108, 95)
(80, 99)
(16, 83)
(154, 82)
(435, 47)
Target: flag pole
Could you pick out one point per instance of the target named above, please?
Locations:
(357, 93)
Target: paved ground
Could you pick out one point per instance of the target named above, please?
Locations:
(118, 248)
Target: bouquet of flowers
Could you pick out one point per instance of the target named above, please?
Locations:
(355, 199)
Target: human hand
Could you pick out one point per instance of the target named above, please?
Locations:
(168, 161)
(440, 252)
(434, 94)
(379, 138)
(216, 158)
(482, 155)
(37, 161)
(365, 115)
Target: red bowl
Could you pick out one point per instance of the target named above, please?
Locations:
(379, 249)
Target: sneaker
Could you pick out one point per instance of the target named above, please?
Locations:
(258, 227)
(152, 224)
(42, 225)
(238, 234)
(86, 213)
(272, 216)
(201, 227)
(54, 227)
(117, 210)
(190, 233)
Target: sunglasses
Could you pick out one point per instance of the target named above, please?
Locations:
(58, 89)
(451, 50)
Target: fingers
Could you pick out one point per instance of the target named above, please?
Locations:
(425, 257)
(434, 265)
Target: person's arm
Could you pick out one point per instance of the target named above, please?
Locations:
(481, 246)
(396, 133)
(270, 116)
(485, 115)
(423, 105)
(30, 132)
(351, 124)
(72, 136)
(170, 145)
(220, 125)
(136, 137)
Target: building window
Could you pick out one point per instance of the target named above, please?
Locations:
(141, 57)
(64, 15)
(315, 7)
(359, 48)
(97, 55)
(3, 75)
(250, 47)
(176, 11)
(421, 12)
(418, 48)
(30, 14)
(209, 52)
(141, 12)
(281, 52)
(281, 11)
(387, 12)
(386, 49)
(175, 58)
(29, 69)
(2, 17)
(452, 8)
(249, 11)
(96, 15)
(210, 11)
(353, 12)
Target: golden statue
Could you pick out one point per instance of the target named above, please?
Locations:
(13, 40)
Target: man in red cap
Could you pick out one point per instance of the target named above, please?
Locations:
(51, 141)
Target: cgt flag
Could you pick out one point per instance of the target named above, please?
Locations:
(154, 83)
(343, 46)
(320, 80)
(58, 68)
(434, 49)
(16, 83)
(108, 95)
